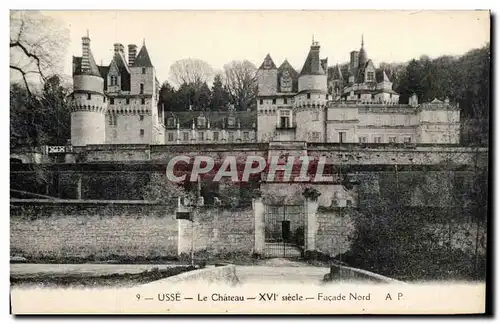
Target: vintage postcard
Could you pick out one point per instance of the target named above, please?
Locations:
(249, 162)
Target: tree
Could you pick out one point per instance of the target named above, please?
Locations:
(168, 97)
(40, 119)
(241, 82)
(219, 97)
(37, 43)
(190, 71)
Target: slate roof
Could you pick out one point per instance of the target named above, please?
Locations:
(77, 65)
(143, 59)
(218, 119)
(286, 66)
(334, 73)
(269, 61)
(312, 65)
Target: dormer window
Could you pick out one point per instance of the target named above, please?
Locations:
(370, 76)
(201, 121)
(230, 121)
(286, 82)
(171, 122)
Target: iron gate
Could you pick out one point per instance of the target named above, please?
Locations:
(284, 230)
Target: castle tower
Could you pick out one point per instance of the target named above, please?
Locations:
(88, 100)
(144, 89)
(312, 97)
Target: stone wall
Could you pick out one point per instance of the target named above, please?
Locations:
(95, 230)
(218, 231)
(122, 230)
(334, 230)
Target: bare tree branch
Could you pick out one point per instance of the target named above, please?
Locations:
(37, 43)
(190, 71)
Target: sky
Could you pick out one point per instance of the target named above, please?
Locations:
(218, 37)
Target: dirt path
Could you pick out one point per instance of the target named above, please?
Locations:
(281, 271)
(27, 269)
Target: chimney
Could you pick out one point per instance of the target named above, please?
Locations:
(354, 60)
(118, 48)
(132, 54)
(85, 54)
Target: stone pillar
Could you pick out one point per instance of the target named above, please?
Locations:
(258, 211)
(311, 207)
(184, 236)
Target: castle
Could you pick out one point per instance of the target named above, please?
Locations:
(118, 104)
(306, 106)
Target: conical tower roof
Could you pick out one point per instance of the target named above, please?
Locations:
(312, 65)
(142, 59)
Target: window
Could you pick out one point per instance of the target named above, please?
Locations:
(142, 88)
(274, 101)
(308, 96)
(216, 136)
(246, 136)
(143, 101)
(201, 136)
(141, 132)
(315, 115)
(392, 139)
(342, 137)
(89, 96)
(362, 139)
(377, 139)
(170, 137)
(286, 82)
(261, 101)
(170, 122)
(407, 139)
(113, 80)
(143, 70)
(230, 136)
(141, 117)
(104, 98)
(112, 101)
(370, 76)
(230, 121)
(284, 118)
(127, 101)
(285, 101)
(110, 119)
(185, 136)
(201, 121)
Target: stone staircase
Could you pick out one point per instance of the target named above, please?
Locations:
(281, 250)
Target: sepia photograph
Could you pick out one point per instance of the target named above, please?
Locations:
(249, 162)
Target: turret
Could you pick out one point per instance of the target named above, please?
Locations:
(267, 76)
(312, 97)
(313, 76)
(88, 100)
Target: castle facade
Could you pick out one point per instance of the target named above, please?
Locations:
(118, 104)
